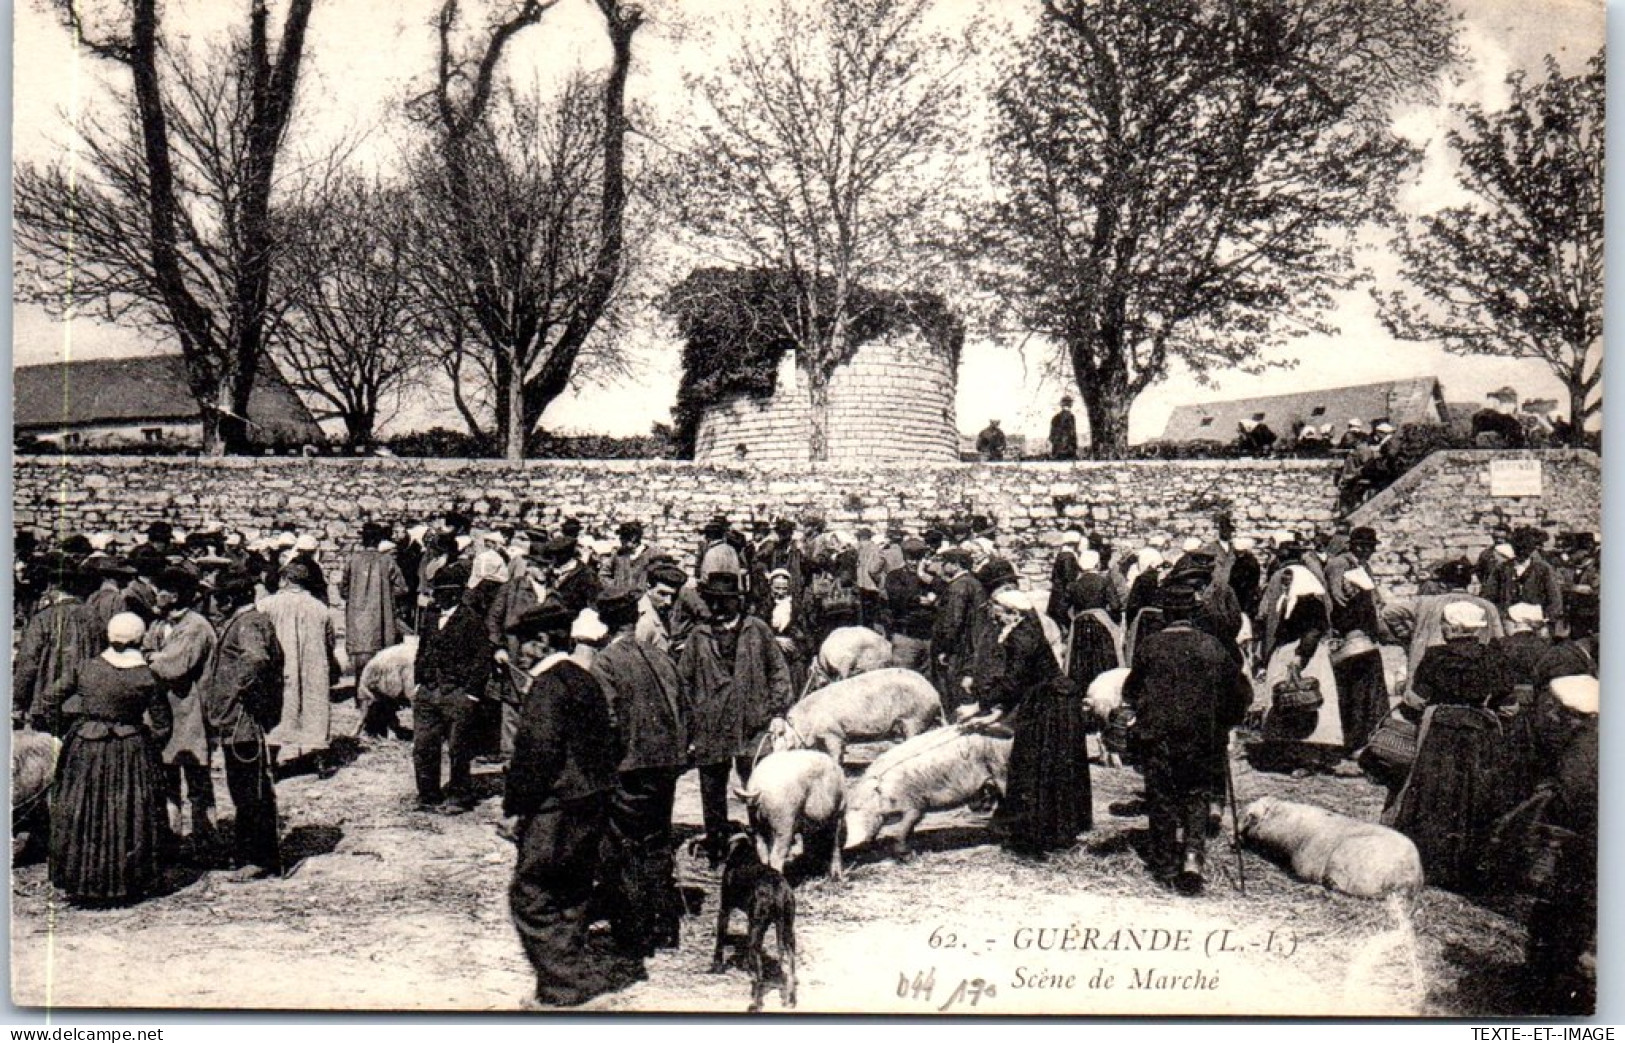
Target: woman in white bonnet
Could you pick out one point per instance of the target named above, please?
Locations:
(107, 804)
(1047, 799)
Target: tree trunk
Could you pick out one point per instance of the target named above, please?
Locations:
(1107, 406)
(818, 417)
(358, 428)
(513, 433)
(1577, 413)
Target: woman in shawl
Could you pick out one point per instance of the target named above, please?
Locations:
(783, 615)
(1047, 799)
(1357, 661)
(107, 813)
(1297, 618)
(1095, 643)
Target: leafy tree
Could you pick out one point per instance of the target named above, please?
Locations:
(169, 224)
(827, 150)
(1517, 270)
(1179, 179)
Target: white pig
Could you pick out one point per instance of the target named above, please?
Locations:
(1105, 695)
(797, 791)
(388, 678)
(943, 768)
(846, 652)
(1345, 854)
(33, 767)
(872, 705)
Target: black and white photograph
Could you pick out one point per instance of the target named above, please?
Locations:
(918, 507)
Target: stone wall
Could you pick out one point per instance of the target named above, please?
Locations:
(1444, 508)
(1125, 502)
(894, 400)
(1441, 508)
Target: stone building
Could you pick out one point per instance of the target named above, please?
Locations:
(892, 401)
(145, 401)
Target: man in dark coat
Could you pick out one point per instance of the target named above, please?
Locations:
(738, 681)
(990, 443)
(1187, 693)
(450, 670)
(1529, 578)
(1063, 432)
(652, 713)
(911, 603)
(243, 701)
(56, 639)
(577, 585)
(629, 568)
(559, 787)
(952, 635)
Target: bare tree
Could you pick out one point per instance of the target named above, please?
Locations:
(530, 202)
(170, 225)
(829, 150)
(353, 339)
(1179, 179)
(1518, 270)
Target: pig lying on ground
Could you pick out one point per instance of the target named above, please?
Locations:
(943, 768)
(1357, 858)
(847, 652)
(33, 766)
(872, 705)
(385, 687)
(796, 791)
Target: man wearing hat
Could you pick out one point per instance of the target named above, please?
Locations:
(1495, 426)
(161, 538)
(1187, 692)
(1529, 578)
(1063, 571)
(373, 588)
(242, 700)
(911, 603)
(653, 716)
(952, 633)
(559, 786)
(1063, 432)
(629, 570)
(870, 574)
(1424, 618)
(780, 552)
(178, 647)
(716, 553)
(1355, 435)
(108, 601)
(655, 609)
(1362, 687)
(140, 596)
(572, 581)
(739, 681)
(450, 675)
(55, 640)
(1486, 568)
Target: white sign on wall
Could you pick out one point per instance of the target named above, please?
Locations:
(1515, 478)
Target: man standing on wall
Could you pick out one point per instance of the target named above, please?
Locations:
(1063, 432)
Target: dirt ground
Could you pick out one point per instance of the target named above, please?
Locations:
(389, 908)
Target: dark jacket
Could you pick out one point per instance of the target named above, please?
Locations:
(1062, 574)
(1187, 693)
(910, 616)
(1063, 435)
(580, 588)
(1539, 585)
(243, 696)
(951, 634)
(736, 691)
(566, 747)
(1026, 667)
(456, 657)
(649, 707)
(1463, 672)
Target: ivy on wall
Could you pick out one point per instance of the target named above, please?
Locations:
(737, 324)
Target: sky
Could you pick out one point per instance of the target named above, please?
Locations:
(365, 56)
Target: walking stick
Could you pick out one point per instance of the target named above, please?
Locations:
(1235, 824)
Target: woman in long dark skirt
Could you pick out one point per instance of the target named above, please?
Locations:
(1047, 799)
(107, 806)
(1095, 640)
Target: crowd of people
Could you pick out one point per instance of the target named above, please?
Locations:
(595, 672)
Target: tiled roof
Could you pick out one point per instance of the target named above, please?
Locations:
(1417, 400)
(135, 390)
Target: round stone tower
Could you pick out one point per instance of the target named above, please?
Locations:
(892, 401)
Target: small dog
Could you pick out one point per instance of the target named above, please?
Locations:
(761, 893)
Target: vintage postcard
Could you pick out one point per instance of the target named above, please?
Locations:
(1066, 507)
